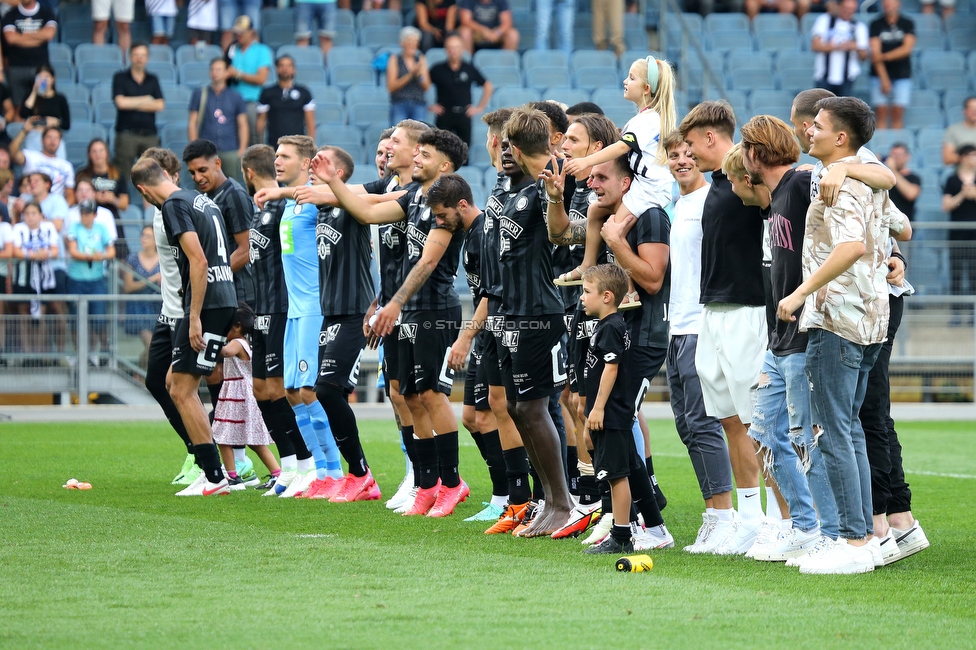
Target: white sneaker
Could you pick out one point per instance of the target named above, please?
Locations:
(768, 532)
(821, 546)
(742, 538)
(874, 547)
(299, 485)
(787, 544)
(402, 494)
(285, 478)
(911, 541)
(708, 525)
(408, 502)
(841, 559)
(890, 553)
(204, 488)
(719, 535)
(646, 540)
(600, 530)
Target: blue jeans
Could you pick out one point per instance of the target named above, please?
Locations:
(838, 373)
(163, 26)
(231, 9)
(310, 14)
(543, 19)
(781, 425)
(407, 111)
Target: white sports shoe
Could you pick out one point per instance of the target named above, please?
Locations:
(402, 494)
(407, 503)
(743, 536)
(299, 485)
(823, 544)
(646, 540)
(285, 478)
(719, 535)
(911, 541)
(874, 547)
(708, 525)
(600, 530)
(204, 488)
(841, 559)
(890, 553)
(787, 544)
(767, 535)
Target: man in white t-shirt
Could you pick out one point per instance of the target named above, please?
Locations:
(841, 43)
(701, 433)
(61, 172)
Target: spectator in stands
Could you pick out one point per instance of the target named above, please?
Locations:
(487, 24)
(948, 7)
(8, 112)
(162, 13)
(315, 13)
(55, 210)
(543, 19)
(608, 14)
(959, 200)
(436, 19)
(453, 79)
(218, 114)
(250, 65)
(231, 11)
(892, 41)
(960, 133)
(89, 246)
(755, 7)
(841, 43)
(47, 106)
(59, 170)
(27, 30)
(85, 191)
(35, 244)
(111, 188)
(908, 185)
(123, 11)
(286, 108)
(141, 276)
(6, 187)
(203, 21)
(407, 79)
(582, 108)
(138, 98)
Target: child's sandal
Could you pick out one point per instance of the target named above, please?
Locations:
(630, 301)
(572, 278)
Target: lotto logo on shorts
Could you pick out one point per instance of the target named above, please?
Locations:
(510, 340)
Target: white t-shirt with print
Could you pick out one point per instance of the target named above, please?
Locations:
(652, 180)
(62, 172)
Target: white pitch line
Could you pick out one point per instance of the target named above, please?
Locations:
(940, 474)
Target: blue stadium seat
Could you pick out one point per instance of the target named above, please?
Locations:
(752, 79)
(730, 39)
(971, 62)
(490, 175)
(277, 34)
(350, 74)
(881, 143)
(593, 59)
(161, 54)
(759, 100)
(63, 71)
(566, 95)
(76, 32)
(80, 111)
(345, 20)
(102, 53)
(367, 94)
(344, 37)
(502, 77)
(347, 54)
(343, 136)
(510, 96)
(362, 175)
(362, 114)
(173, 114)
(544, 59)
(59, 52)
(917, 117)
(806, 25)
(74, 92)
(302, 55)
(315, 74)
(926, 99)
(188, 54)
(371, 135)
(952, 102)
(635, 36)
(102, 93)
(795, 70)
(934, 60)
(944, 79)
(277, 16)
(329, 113)
(377, 36)
(105, 113)
(76, 153)
(925, 21)
(471, 174)
(381, 17)
(195, 74)
(165, 72)
(92, 73)
(437, 54)
(718, 21)
(493, 59)
(962, 40)
(748, 60)
(928, 151)
(325, 93)
(673, 25)
(541, 78)
(778, 40)
(172, 133)
(591, 78)
(176, 95)
(85, 132)
(929, 39)
(775, 22)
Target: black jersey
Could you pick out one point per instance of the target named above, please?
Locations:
(270, 293)
(610, 344)
(567, 258)
(472, 257)
(438, 291)
(344, 247)
(525, 255)
(648, 324)
(393, 241)
(188, 211)
(491, 278)
(237, 209)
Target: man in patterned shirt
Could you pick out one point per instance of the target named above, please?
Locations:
(844, 296)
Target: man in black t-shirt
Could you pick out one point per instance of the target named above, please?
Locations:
(193, 227)
(453, 79)
(27, 29)
(908, 184)
(892, 41)
(959, 200)
(138, 98)
(285, 108)
(487, 24)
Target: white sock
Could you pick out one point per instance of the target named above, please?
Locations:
(289, 463)
(711, 512)
(239, 456)
(306, 465)
(772, 505)
(500, 501)
(725, 515)
(750, 505)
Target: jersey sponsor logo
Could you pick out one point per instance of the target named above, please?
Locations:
(416, 240)
(391, 239)
(327, 231)
(522, 202)
(473, 279)
(285, 229)
(201, 201)
(495, 324)
(219, 274)
(262, 323)
(510, 227)
(493, 207)
(259, 240)
(510, 340)
(585, 329)
(408, 332)
(331, 333)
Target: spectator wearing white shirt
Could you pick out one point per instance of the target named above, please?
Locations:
(841, 43)
(60, 171)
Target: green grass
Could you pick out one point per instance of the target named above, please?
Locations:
(127, 564)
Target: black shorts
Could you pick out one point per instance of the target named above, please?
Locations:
(268, 346)
(215, 323)
(391, 358)
(490, 355)
(475, 383)
(425, 342)
(160, 355)
(536, 359)
(614, 454)
(341, 344)
(642, 367)
(583, 328)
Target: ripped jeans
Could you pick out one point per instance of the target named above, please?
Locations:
(781, 425)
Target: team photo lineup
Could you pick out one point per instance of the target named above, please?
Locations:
(767, 293)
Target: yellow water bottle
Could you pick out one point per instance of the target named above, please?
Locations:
(635, 563)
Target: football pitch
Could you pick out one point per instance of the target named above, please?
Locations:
(127, 564)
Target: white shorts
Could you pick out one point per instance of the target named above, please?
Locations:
(731, 349)
(123, 10)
